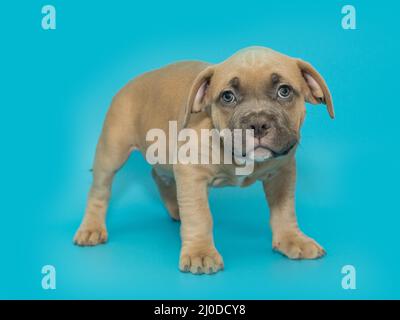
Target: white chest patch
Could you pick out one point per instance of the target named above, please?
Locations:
(222, 181)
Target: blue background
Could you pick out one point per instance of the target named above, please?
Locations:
(56, 87)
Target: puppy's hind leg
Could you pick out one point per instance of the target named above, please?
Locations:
(112, 151)
(167, 189)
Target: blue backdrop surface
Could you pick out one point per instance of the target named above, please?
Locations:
(56, 86)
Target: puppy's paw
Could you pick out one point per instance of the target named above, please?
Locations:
(296, 245)
(90, 235)
(199, 262)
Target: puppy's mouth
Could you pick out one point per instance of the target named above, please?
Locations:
(277, 153)
(263, 152)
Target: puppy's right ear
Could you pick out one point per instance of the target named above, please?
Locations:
(198, 93)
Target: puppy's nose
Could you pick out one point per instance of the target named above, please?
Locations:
(260, 128)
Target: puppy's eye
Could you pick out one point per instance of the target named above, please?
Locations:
(228, 97)
(284, 91)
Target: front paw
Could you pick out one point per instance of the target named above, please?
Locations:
(90, 235)
(296, 245)
(202, 261)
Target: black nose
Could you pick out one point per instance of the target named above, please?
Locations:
(260, 128)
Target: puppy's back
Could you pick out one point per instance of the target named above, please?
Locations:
(156, 97)
(153, 99)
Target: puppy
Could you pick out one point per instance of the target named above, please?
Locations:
(256, 89)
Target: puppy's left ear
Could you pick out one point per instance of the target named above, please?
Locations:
(198, 93)
(317, 91)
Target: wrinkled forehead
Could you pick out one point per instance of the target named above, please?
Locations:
(257, 69)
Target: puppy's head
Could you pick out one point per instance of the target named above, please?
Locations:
(263, 91)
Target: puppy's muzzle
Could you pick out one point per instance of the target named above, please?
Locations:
(268, 134)
(258, 122)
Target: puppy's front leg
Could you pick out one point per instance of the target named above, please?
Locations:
(198, 253)
(287, 237)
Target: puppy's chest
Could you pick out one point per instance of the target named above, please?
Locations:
(225, 179)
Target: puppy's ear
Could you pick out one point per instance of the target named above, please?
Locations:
(197, 96)
(317, 91)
